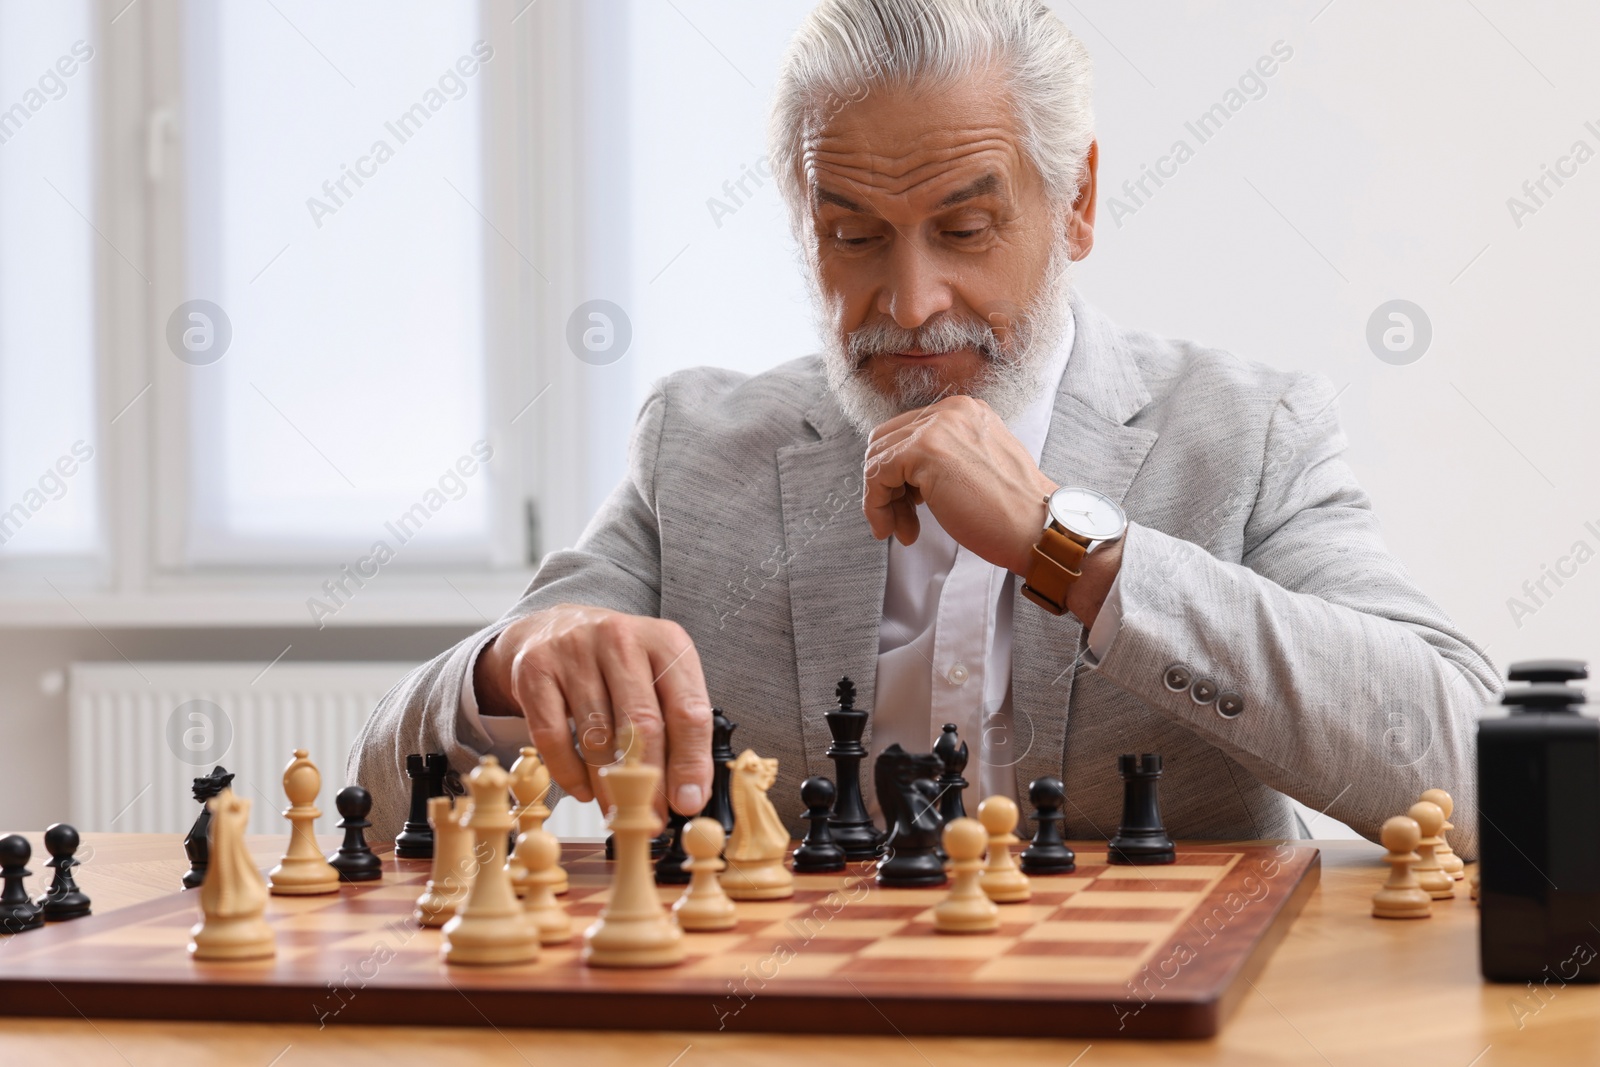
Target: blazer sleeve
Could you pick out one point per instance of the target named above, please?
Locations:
(1339, 682)
(616, 564)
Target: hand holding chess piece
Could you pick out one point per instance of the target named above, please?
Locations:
(233, 898)
(1401, 897)
(704, 905)
(968, 909)
(304, 871)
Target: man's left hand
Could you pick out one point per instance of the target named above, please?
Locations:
(959, 459)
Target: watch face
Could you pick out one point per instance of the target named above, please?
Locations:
(1087, 513)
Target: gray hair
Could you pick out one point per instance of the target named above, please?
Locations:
(847, 47)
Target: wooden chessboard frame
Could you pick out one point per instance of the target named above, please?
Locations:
(870, 964)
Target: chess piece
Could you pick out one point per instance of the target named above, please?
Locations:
(490, 926)
(17, 911)
(669, 868)
(1048, 853)
(233, 898)
(1401, 897)
(633, 929)
(1474, 883)
(1002, 879)
(453, 862)
(819, 853)
(63, 900)
(354, 861)
(194, 846)
(968, 909)
(908, 790)
(755, 853)
(1449, 862)
(541, 853)
(852, 827)
(1141, 839)
(952, 753)
(530, 784)
(427, 774)
(704, 905)
(303, 871)
(720, 805)
(1430, 876)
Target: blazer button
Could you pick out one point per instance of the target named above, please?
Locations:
(1230, 704)
(1178, 677)
(1204, 691)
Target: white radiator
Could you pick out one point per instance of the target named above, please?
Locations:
(140, 733)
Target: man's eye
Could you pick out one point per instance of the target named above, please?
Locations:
(965, 235)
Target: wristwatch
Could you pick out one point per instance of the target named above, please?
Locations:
(1076, 520)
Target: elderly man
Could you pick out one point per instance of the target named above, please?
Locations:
(985, 503)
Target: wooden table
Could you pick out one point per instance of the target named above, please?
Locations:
(1343, 988)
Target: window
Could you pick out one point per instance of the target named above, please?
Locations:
(334, 221)
(49, 436)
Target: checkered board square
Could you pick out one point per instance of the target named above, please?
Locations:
(1107, 950)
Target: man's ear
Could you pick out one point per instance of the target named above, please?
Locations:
(1080, 223)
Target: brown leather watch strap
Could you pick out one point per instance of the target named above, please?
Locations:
(1056, 563)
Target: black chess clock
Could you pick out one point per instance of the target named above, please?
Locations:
(1539, 828)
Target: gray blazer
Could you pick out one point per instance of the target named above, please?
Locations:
(1269, 644)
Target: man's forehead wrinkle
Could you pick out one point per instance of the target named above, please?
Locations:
(898, 175)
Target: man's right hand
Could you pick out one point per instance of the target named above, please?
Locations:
(571, 670)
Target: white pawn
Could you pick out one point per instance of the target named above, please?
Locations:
(1401, 897)
(1449, 862)
(1002, 879)
(304, 870)
(490, 926)
(968, 909)
(540, 850)
(1432, 878)
(704, 905)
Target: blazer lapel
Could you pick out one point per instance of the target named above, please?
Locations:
(1089, 444)
(836, 572)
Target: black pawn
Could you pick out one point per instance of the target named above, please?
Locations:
(669, 867)
(427, 774)
(818, 853)
(952, 752)
(1048, 854)
(720, 805)
(197, 846)
(63, 900)
(354, 861)
(17, 912)
(1141, 839)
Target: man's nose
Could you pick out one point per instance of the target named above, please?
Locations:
(916, 288)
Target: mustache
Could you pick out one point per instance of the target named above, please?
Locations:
(944, 334)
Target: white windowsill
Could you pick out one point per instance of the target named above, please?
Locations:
(438, 599)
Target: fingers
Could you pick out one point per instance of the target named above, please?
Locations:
(545, 710)
(622, 656)
(686, 712)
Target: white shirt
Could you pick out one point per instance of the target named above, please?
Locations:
(944, 644)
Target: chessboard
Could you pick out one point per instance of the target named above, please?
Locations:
(1162, 951)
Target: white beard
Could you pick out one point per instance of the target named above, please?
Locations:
(1012, 376)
